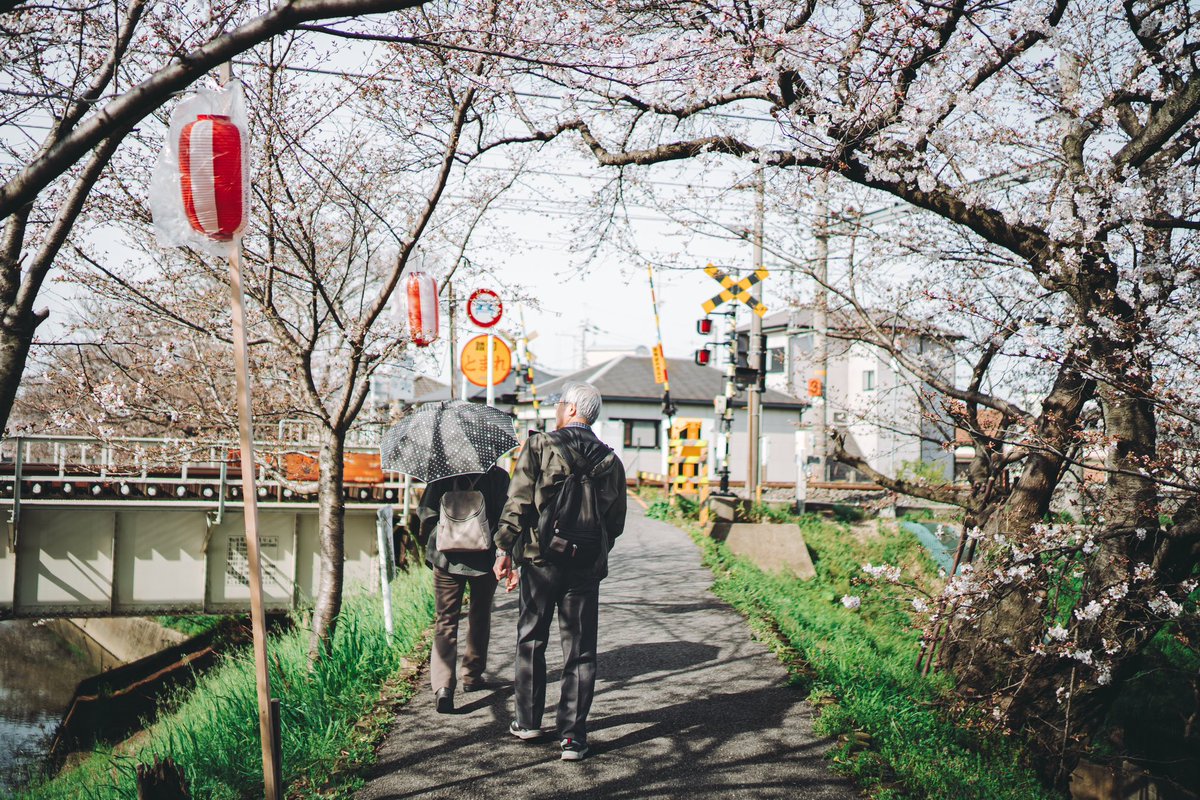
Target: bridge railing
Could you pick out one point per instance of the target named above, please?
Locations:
(133, 468)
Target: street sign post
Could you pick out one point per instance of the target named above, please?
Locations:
(660, 364)
(485, 308)
(478, 368)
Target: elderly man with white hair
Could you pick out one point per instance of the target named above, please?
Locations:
(565, 508)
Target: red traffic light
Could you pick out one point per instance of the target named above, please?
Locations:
(703, 357)
(704, 326)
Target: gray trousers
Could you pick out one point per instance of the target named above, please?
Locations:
(576, 598)
(448, 590)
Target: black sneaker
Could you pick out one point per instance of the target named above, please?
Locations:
(526, 734)
(574, 750)
(444, 701)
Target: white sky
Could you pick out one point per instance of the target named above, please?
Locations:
(544, 265)
(536, 256)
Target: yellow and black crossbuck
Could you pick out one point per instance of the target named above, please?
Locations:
(735, 289)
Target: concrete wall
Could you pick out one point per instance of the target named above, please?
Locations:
(74, 558)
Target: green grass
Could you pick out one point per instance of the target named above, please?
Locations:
(897, 735)
(211, 730)
(191, 625)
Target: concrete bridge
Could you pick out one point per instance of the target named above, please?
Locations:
(134, 527)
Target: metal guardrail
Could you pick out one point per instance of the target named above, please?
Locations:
(161, 470)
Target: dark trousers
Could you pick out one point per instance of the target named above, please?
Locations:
(576, 598)
(448, 590)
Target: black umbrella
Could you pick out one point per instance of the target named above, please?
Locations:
(452, 437)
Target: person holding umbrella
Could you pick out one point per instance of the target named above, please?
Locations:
(453, 447)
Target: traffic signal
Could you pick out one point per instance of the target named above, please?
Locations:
(703, 357)
(743, 350)
(704, 327)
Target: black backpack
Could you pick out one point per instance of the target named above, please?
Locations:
(571, 528)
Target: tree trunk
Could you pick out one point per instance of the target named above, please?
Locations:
(16, 335)
(332, 501)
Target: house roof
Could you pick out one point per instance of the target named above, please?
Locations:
(423, 385)
(631, 378)
(479, 393)
(803, 318)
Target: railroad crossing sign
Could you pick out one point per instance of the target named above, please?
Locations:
(734, 289)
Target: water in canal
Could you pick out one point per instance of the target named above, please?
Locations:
(38, 674)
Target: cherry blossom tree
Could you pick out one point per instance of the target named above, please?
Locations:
(357, 181)
(76, 80)
(1052, 148)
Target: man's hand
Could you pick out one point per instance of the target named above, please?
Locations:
(503, 570)
(502, 567)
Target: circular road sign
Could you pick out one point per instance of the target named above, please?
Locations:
(474, 360)
(484, 308)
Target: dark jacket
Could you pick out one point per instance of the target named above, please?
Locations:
(494, 485)
(535, 480)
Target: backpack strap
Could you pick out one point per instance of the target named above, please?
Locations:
(576, 461)
(567, 451)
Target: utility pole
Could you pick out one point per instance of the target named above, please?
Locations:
(755, 361)
(583, 332)
(820, 350)
(453, 335)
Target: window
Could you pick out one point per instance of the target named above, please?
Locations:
(776, 359)
(868, 380)
(642, 433)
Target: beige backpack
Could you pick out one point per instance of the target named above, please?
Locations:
(462, 523)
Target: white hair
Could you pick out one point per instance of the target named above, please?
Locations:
(585, 398)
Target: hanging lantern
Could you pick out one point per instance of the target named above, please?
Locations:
(200, 189)
(422, 308)
(210, 176)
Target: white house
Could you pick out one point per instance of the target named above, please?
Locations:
(883, 411)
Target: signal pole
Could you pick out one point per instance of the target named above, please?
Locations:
(755, 361)
(730, 391)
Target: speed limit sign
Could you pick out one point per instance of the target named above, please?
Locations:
(484, 308)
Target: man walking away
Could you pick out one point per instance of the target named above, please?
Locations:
(565, 508)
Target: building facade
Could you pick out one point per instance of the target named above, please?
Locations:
(633, 424)
(888, 418)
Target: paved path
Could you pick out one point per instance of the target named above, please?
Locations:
(687, 704)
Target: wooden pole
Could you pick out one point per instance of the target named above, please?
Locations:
(453, 336)
(272, 766)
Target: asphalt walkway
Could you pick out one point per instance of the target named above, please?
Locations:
(687, 704)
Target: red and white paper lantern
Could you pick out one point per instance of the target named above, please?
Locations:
(200, 190)
(210, 176)
(422, 308)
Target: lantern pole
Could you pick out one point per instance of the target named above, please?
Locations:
(268, 709)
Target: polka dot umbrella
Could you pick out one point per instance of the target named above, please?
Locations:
(438, 440)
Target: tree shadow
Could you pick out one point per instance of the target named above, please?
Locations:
(734, 744)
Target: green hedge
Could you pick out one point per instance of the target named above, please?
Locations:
(211, 731)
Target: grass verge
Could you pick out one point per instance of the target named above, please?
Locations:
(897, 736)
(332, 715)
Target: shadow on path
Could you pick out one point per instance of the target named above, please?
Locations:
(687, 705)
